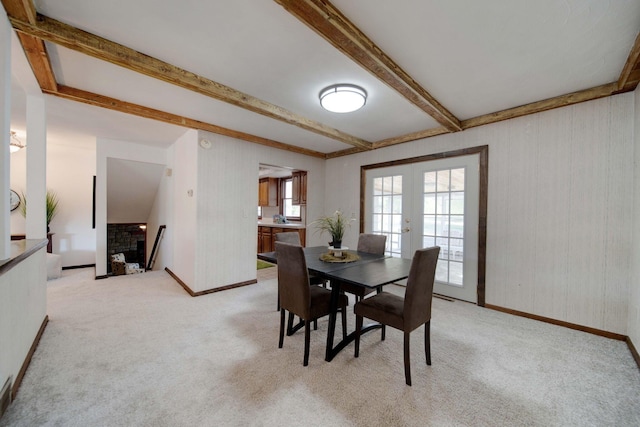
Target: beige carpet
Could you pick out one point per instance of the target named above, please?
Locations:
(138, 351)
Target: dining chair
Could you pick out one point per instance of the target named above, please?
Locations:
(408, 313)
(298, 297)
(373, 244)
(294, 239)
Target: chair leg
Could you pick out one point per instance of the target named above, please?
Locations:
(290, 324)
(358, 333)
(278, 309)
(344, 322)
(384, 332)
(281, 328)
(427, 341)
(315, 324)
(307, 335)
(407, 362)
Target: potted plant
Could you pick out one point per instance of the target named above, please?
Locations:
(51, 203)
(335, 225)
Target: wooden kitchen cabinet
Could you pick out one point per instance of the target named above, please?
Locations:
(267, 237)
(299, 187)
(268, 192)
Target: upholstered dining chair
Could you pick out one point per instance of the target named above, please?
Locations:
(408, 313)
(373, 244)
(298, 297)
(294, 239)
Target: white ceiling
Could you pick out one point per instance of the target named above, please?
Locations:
(474, 57)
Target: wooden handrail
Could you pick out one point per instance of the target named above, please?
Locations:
(152, 257)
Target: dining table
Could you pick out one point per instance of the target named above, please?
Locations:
(365, 269)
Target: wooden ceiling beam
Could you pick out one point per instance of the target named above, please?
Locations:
(544, 105)
(33, 47)
(428, 133)
(23, 10)
(326, 20)
(81, 41)
(96, 100)
(630, 74)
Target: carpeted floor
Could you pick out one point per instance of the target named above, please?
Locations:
(138, 351)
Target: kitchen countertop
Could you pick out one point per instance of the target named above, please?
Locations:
(296, 225)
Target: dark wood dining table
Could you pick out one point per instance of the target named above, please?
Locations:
(370, 271)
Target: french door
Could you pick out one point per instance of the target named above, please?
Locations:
(430, 203)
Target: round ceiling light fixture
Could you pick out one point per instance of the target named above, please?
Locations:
(343, 98)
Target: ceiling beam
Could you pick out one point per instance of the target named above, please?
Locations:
(630, 74)
(330, 23)
(96, 100)
(428, 133)
(33, 47)
(81, 41)
(23, 10)
(544, 105)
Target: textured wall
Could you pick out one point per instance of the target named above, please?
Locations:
(23, 301)
(227, 197)
(633, 328)
(70, 171)
(559, 231)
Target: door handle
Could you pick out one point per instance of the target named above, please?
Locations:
(406, 230)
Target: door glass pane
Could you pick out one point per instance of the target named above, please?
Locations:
(429, 182)
(443, 203)
(443, 180)
(429, 204)
(377, 186)
(442, 225)
(456, 206)
(457, 179)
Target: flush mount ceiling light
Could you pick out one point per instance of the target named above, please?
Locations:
(15, 144)
(343, 98)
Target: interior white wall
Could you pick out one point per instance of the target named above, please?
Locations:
(227, 197)
(633, 326)
(70, 171)
(162, 214)
(23, 304)
(559, 208)
(182, 230)
(127, 150)
(5, 122)
(36, 221)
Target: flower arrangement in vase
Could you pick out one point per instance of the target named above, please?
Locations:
(335, 225)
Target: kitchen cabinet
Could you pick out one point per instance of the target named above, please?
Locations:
(299, 187)
(267, 237)
(268, 192)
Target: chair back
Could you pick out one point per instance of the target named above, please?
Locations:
(419, 293)
(293, 279)
(291, 238)
(372, 243)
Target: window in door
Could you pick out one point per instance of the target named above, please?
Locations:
(443, 221)
(387, 211)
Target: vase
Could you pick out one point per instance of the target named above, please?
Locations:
(337, 244)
